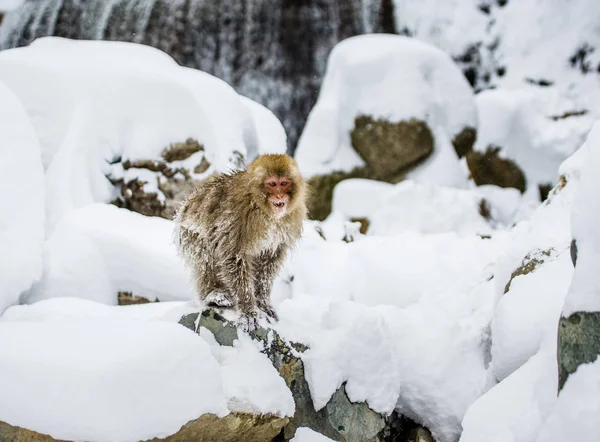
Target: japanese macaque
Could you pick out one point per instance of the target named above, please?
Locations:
(235, 231)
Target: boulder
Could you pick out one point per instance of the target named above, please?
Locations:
(388, 148)
(490, 168)
(578, 343)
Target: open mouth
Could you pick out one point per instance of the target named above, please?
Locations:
(279, 205)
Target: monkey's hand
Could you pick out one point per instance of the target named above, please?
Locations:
(247, 323)
(267, 311)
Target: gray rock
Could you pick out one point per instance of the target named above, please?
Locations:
(578, 343)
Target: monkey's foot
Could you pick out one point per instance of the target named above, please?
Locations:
(269, 313)
(218, 299)
(247, 323)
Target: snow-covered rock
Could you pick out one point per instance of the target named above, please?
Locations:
(81, 380)
(94, 364)
(525, 124)
(22, 190)
(392, 79)
(100, 250)
(91, 102)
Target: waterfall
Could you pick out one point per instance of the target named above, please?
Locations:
(273, 51)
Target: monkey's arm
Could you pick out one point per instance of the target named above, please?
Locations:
(266, 268)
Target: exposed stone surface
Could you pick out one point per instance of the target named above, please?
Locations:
(420, 434)
(133, 197)
(573, 251)
(489, 168)
(464, 141)
(128, 298)
(364, 224)
(321, 191)
(173, 181)
(389, 149)
(578, 343)
(235, 427)
(181, 151)
(531, 261)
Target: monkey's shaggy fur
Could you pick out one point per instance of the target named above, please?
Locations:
(228, 234)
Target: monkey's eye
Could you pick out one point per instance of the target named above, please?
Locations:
(284, 183)
(272, 183)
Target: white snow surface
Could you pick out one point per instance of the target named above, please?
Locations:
(584, 293)
(22, 190)
(388, 77)
(515, 409)
(574, 416)
(87, 377)
(100, 250)
(304, 434)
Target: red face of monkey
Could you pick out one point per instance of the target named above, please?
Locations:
(278, 190)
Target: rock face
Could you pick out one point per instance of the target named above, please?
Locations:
(340, 419)
(321, 190)
(489, 168)
(173, 178)
(272, 51)
(235, 427)
(578, 343)
(463, 142)
(389, 149)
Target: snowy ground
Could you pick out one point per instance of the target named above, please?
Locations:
(416, 316)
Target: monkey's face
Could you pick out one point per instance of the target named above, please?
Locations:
(278, 191)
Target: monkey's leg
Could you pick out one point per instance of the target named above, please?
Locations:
(209, 288)
(266, 268)
(236, 276)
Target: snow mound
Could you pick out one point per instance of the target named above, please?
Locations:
(427, 360)
(388, 77)
(100, 250)
(529, 311)
(575, 414)
(88, 377)
(515, 409)
(426, 208)
(22, 190)
(117, 343)
(304, 434)
(583, 293)
(396, 270)
(93, 101)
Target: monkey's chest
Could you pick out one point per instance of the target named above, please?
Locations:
(272, 239)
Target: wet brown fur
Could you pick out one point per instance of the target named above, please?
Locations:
(230, 237)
